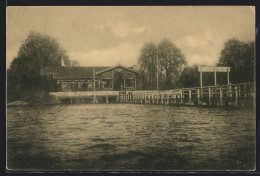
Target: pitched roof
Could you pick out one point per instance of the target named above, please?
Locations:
(71, 72)
(78, 72)
(110, 68)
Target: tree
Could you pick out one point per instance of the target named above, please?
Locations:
(240, 57)
(23, 77)
(172, 62)
(148, 67)
(189, 77)
(43, 50)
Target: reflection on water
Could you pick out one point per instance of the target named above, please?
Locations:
(130, 137)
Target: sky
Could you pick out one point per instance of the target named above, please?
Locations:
(107, 36)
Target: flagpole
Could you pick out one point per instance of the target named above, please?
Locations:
(157, 69)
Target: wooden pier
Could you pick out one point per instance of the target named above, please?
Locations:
(222, 95)
(85, 97)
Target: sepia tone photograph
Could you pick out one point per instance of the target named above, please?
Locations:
(130, 88)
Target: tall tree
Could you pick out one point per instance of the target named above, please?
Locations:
(23, 76)
(172, 63)
(240, 56)
(170, 66)
(148, 67)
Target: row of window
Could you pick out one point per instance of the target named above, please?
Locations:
(88, 86)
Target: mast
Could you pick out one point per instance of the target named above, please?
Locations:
(157, 74)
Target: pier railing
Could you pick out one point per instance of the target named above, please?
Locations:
(232, 94)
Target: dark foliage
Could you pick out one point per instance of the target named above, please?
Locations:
(24, 81)
(170, 65)
(240, 56)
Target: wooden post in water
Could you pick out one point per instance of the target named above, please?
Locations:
(129, 98)
(221, 96)
(210, 102)
(107, 99)
(198, 96)
(167, 99)
(245, 91)
(182, 97)
(236, 96)
(239, 91)
(229, 95)
(58, 85)
(190, 96)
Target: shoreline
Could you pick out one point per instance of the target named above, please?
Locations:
(23, 103)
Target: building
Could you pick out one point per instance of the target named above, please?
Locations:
(73, 79)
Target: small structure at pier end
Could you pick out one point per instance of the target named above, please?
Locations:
(80, 79)
(202, 69)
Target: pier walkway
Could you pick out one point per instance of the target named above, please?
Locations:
(232, 94)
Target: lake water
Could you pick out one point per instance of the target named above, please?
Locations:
(130, 137)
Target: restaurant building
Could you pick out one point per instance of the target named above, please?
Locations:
(74, 79)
